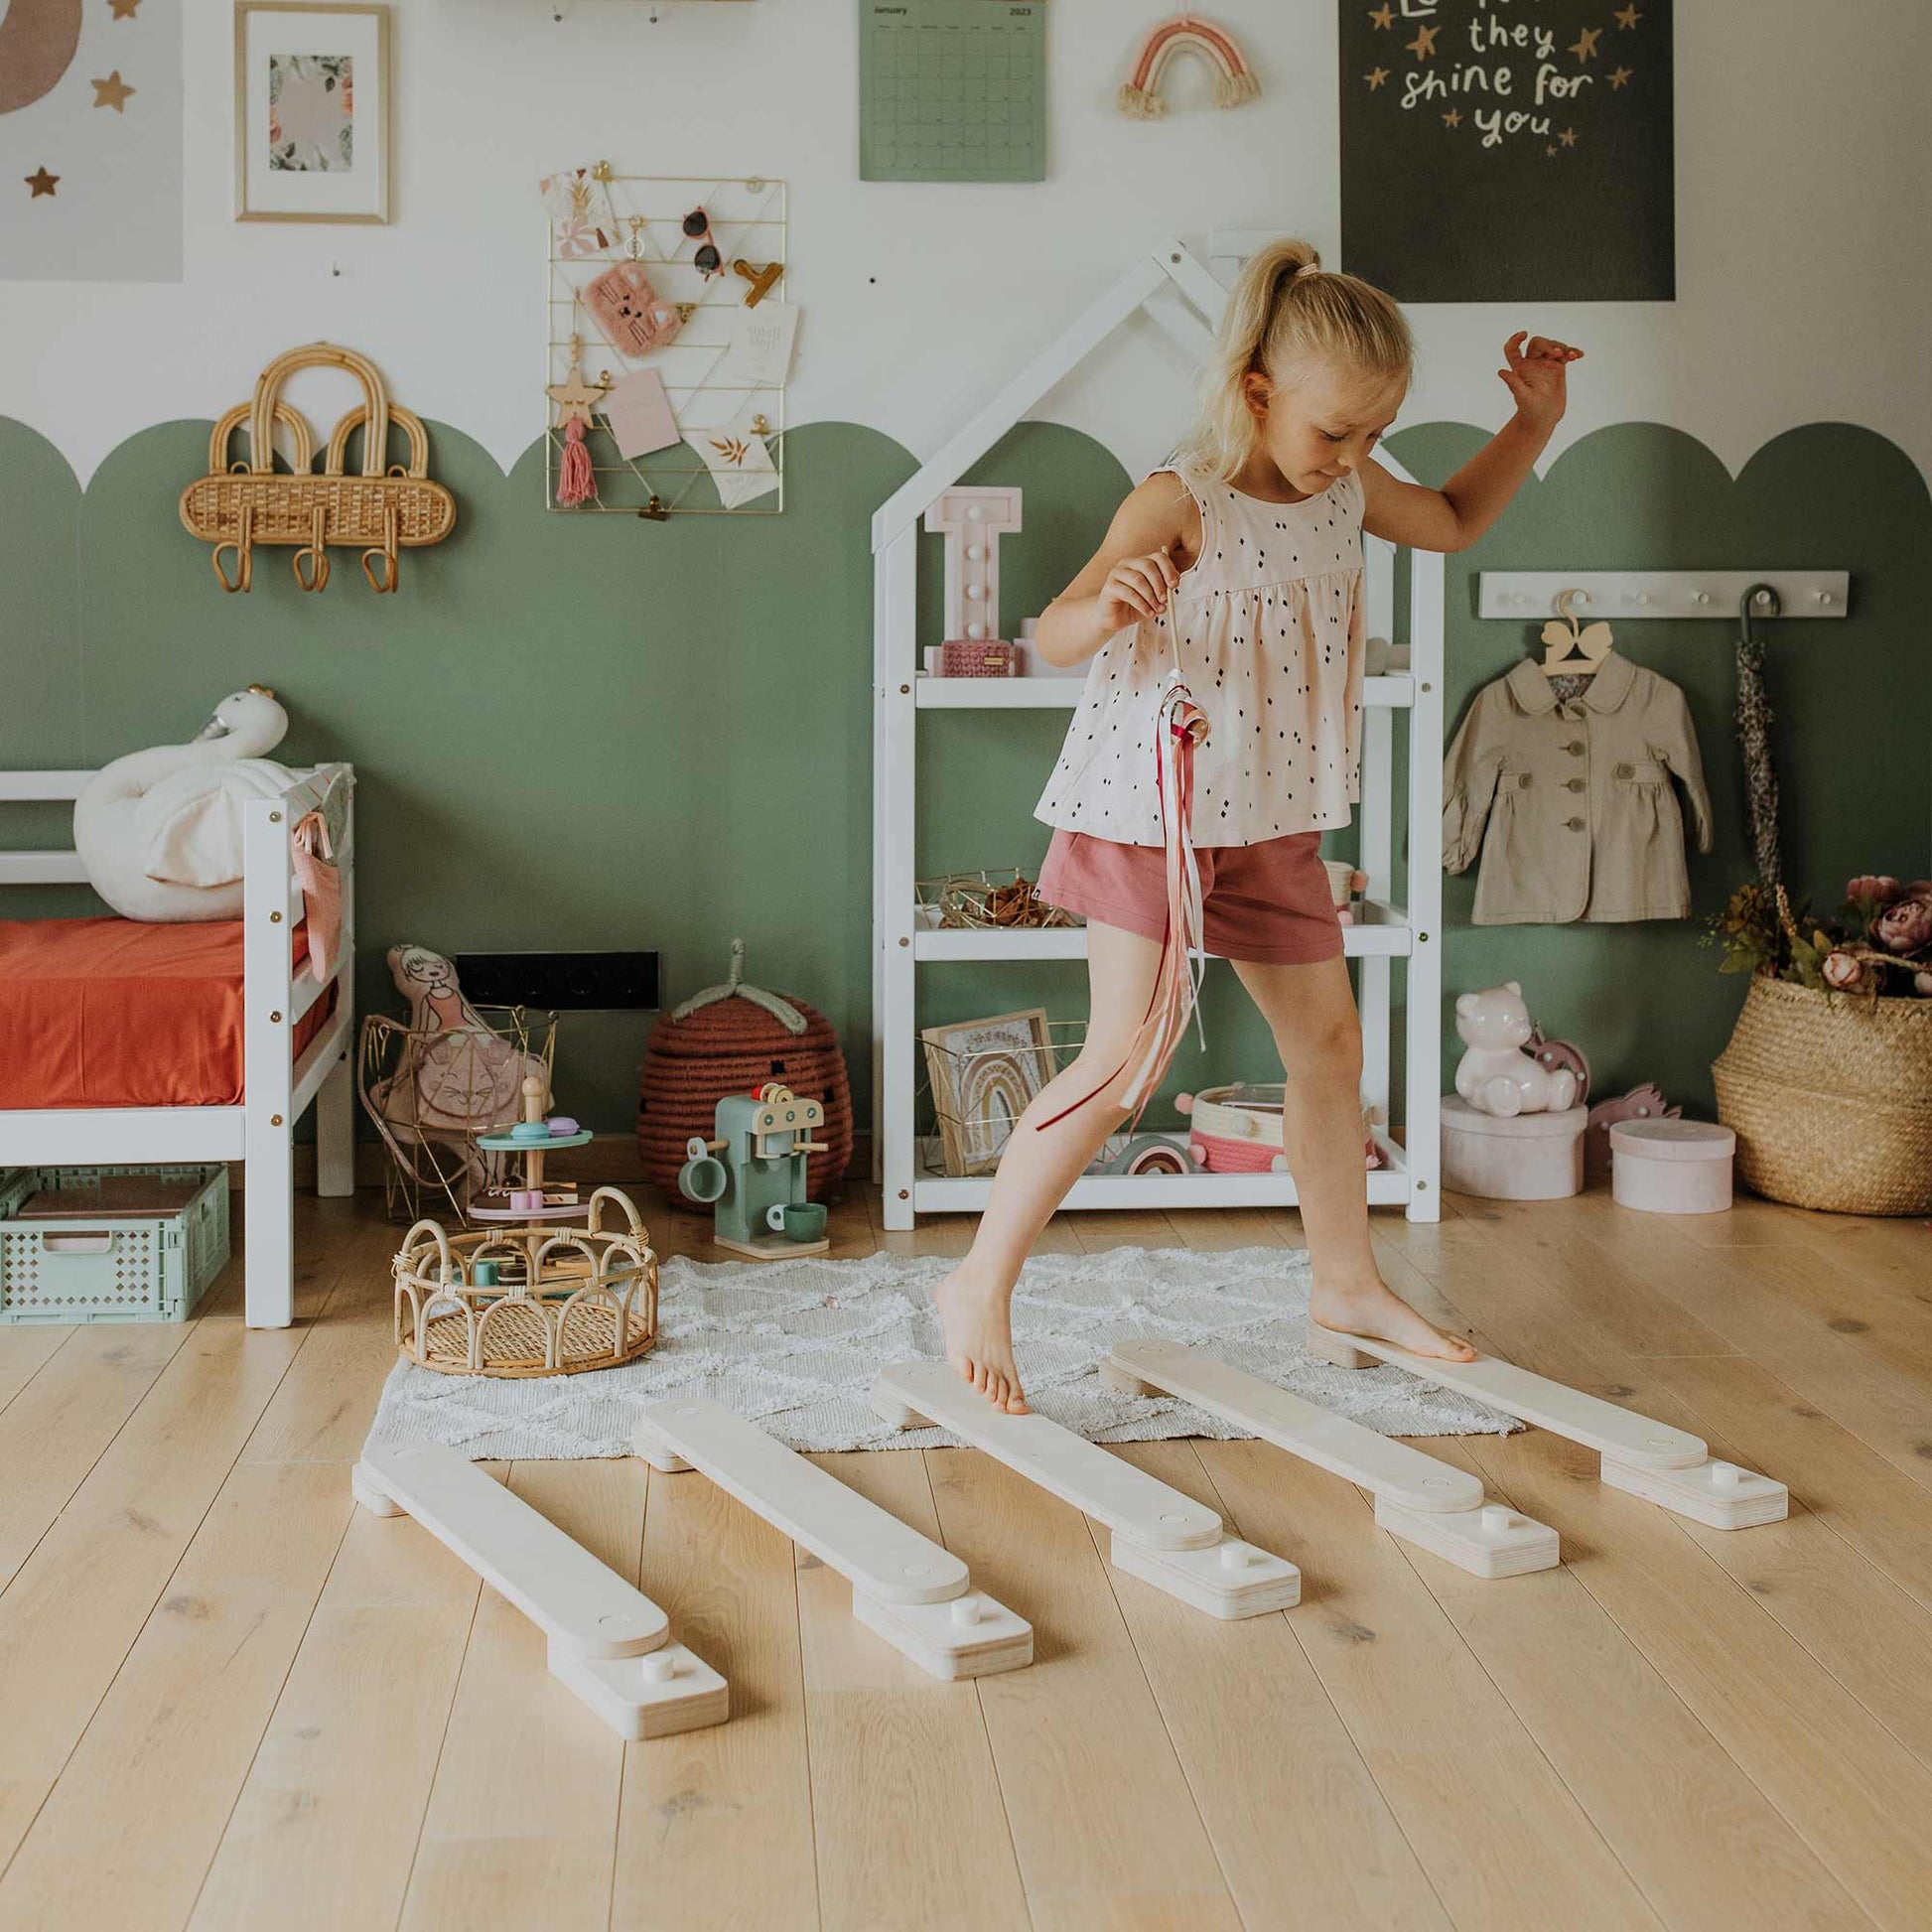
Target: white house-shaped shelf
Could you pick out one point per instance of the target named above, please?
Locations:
(1177, 291)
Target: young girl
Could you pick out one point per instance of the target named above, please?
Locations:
(1252, 539)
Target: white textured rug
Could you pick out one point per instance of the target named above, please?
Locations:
(794, 1345)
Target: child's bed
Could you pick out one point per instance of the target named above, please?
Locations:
(128, 1042)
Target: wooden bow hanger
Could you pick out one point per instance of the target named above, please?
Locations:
(1571, 649)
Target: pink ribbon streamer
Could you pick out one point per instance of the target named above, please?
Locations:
(1180, 728)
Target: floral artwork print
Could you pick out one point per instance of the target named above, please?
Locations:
(311, 114)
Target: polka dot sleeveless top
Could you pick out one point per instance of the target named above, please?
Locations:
(1269, 624)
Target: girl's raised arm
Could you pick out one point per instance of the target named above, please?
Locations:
(1454, 517)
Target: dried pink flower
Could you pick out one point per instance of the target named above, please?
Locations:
(1905, 926)
(1843, 972)
(1922, 984)
(1879, 887)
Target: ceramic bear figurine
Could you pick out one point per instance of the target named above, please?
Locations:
(1496, 1076)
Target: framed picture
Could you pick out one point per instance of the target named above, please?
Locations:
(311, 112)
(985, 1073)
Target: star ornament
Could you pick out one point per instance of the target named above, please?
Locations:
(1454, 118)
(1586, 39)
(1628, 19)
(1376, 78)
(124, 9)
(575, 398)
(1567, 137)
(42, 183)
(1620, 78)
(1383, 17)
(1423, 46)
(112, 92)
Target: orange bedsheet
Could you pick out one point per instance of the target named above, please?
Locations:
(109, 1013)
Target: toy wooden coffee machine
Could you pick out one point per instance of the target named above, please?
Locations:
(752, 1173)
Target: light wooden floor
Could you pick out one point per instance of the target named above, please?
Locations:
(230, 1700)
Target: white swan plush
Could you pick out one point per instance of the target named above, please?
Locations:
(160, 831)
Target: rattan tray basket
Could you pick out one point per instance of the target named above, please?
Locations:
(386, 509)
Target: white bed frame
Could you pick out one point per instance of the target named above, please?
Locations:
(276, 1090)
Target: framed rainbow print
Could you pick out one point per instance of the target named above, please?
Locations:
(984, 1074)
(312, 112)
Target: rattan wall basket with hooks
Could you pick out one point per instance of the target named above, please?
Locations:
(387, 508)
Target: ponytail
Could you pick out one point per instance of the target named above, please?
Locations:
(1284, 312)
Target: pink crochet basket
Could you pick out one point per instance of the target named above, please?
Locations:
(1250, 1118)
(1219, 1154)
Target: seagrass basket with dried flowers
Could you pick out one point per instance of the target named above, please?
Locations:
(382, 509)
(1826, 1079)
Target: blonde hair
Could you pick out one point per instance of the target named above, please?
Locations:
(1285, 311)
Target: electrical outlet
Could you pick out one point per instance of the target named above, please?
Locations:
(561, 982)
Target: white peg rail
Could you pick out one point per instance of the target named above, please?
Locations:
(606, 1641)
(1620, 595)
(1432, 1504)
(1664, 1465)
(1176, 289)
(1157, 1535)
(906, 1587)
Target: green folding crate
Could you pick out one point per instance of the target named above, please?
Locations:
(110, 1267)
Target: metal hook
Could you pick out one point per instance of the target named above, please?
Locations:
(1766, 602)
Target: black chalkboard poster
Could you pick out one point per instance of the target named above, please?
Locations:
(1508, 150)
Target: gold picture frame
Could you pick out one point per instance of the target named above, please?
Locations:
(984, 1073)
(293, 190)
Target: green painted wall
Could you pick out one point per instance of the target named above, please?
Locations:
(592, 732)
(1852, 700)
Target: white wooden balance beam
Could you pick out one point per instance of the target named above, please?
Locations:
(1651, 1459)
(1432, 1504)
(1157, 1535)
(905, 1589)
(609, 1642)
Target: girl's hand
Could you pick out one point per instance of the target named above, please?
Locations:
(1535, 377)
(1137, 588)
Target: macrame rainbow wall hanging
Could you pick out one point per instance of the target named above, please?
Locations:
(1186, 33)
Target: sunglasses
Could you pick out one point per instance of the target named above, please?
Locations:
(697, 224)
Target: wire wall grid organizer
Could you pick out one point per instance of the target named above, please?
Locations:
(384, 508)
(745, 234)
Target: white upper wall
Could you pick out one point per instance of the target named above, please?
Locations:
(1803, 189)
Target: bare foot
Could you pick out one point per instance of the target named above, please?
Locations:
(1373, 1309)
(978, 1327)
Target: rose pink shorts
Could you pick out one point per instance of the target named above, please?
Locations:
(1268, 903)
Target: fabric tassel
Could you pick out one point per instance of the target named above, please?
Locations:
(576, 479)
(1180, 727)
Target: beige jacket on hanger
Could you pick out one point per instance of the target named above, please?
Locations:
(1581, 819)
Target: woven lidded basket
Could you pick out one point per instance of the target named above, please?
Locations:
(730, 1038)
(1831, 1099)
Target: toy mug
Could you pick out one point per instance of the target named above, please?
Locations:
(703, 1178)
(804, 1221)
